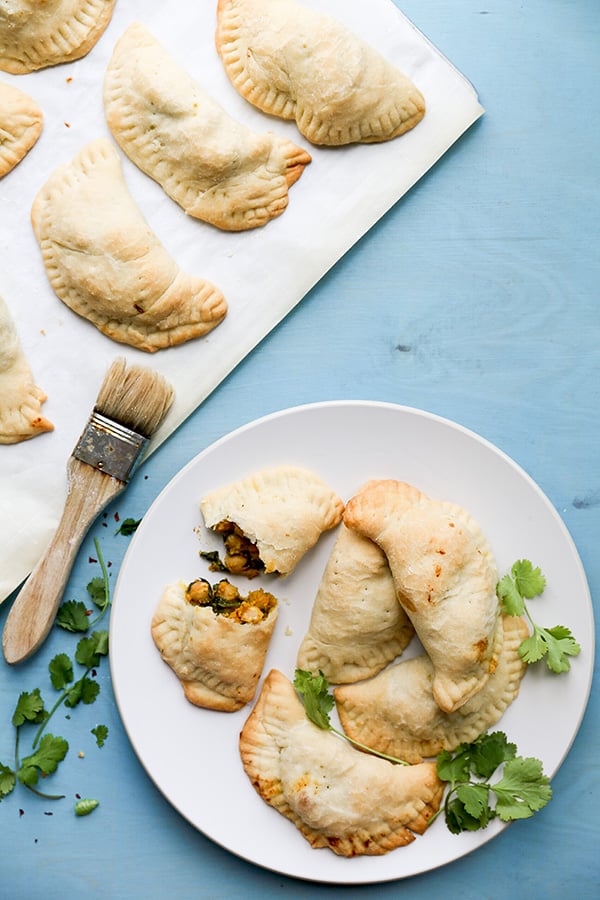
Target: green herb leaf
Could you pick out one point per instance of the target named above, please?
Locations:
(128, 526)
(317, 700)
(61, 671)
(29, 708)
(90, 649)
(529, 581)
(97, 591)
(100, 732)
(85, 806)
(523, 789)
(51, 751)
(512, 601)
(73, 616)
(475, 799)
(489, 752)
(8, 780)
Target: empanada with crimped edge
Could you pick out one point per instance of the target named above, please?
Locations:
(20, 398)
(299, 64)
(336, 796)
(218, 659)
(357, 625)
(445, 577)
(106, 264)
(395, 712)
(215, 168)
(39, 33)
(282, 510)
(21, 123)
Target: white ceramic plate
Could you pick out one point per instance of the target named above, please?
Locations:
(192, 754)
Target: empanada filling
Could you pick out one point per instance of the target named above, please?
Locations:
(241, 554)
(225, 600)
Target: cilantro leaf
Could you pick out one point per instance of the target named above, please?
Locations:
(51, 751)
(316, 698)
(8, 780)
(29, 708)
(61, 671)
(100, 732)
(454, 768)
(97, 591)
(85, 691)
(523, 789)
(128, 526)
(529, 581)
(72, 615)
(458, 819)
(90, 649)
(512, 601)
(489, 752)
(475, 799)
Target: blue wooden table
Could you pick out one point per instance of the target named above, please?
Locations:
(476, 298)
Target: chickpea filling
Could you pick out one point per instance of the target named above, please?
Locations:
(241, 555)
(225, 600)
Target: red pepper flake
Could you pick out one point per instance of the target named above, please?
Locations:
(117, 517)
(94, 673)
(92, 560)
(67, 124)
(108, 564)
(78, 796)
(21, 812)
(88, 612)
(69, 80)
(104, 524)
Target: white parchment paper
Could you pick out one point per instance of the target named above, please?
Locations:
(263, 273)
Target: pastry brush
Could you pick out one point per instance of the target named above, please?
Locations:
(131, 404)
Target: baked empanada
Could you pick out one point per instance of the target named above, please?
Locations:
(216, 645)
(271, 518)
(39, 33)
(107, 265)
(336, 796)
(445, 578)
(20, 399)
(395, 712)
(357, 625)
(217, 169)
(20, 126)
(298, 64)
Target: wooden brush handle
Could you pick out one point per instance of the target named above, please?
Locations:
(35, 607)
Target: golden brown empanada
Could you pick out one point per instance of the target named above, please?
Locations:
(39, 33)
(445, 578)
(280, 513)
(335, 795)
(217, 169)
(218, 656)
(20, 126)
(395, 712)
(357, 625)
(20, 399)
(107, 265)
(296, 63)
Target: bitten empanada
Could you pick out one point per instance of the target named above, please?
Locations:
(395, 712)
(445, 578)
(357, 625)
(20, 126)
(216, 649)
(215, 168)
(298, 64)
(107, 265)
(271, 518)
(39, 33)
(335, 795)
(20, 399)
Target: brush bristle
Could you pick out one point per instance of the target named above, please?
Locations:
(136, 397)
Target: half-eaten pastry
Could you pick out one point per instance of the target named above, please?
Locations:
(215, 640)
(395, 712)
(357, 625)
(39, 33)
(20, 126)
(445, 578)
(271, 518)
(299, 64)
(20, 399)
(215, 168)
(107, 265)
(336, 796)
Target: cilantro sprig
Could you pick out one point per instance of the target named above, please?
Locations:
(472, 800)
(555, 644)
(48, 750)
(74, 615)
(318, 703)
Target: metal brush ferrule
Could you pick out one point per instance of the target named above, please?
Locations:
(110, 447)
